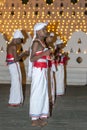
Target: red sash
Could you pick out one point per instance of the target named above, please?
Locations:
(9, 58)
(40, 64)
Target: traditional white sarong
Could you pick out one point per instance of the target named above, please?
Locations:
(16, 95)
(60, 86)
(39, 102)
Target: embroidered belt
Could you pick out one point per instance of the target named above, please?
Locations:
(9, 59)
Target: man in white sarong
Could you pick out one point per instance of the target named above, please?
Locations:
(12, 59)
(59, 74)
(39, 101)
(51, 69)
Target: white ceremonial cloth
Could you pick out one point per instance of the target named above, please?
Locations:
(39, 102)
(16, 95)
(60, 86)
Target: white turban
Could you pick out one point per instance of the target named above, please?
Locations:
(52, 34)
(18, 34)
(37, 27)
(58, 41)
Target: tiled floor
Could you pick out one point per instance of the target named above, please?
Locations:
(69, 112)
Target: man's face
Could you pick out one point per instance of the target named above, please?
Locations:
(49, 39)
(19, 40)
(42, 32)
(59, 46)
